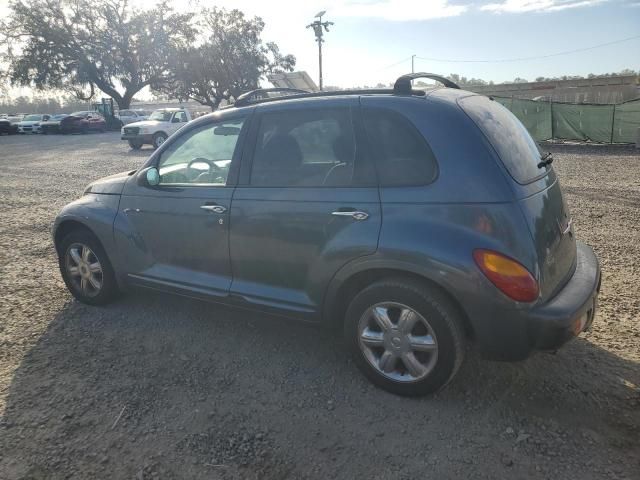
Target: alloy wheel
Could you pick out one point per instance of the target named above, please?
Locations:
(84, 269)
(397, 342)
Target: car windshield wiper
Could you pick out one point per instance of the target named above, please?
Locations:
(545, 160)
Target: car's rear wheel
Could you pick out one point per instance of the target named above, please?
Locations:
(405, 336)
(135, 145)
(158, 139)
(86, 269)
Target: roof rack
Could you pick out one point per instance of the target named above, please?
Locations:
(254, 96)
(401, 87)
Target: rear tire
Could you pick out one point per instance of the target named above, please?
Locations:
(158, 139)
(86, 269)
(422, 345)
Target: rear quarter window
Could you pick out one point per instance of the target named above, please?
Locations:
(519, 152)
(403, 157)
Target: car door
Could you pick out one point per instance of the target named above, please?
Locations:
(177, 120)
(307, 203)
(176, 235)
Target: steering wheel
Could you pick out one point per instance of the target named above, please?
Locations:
(194, 173)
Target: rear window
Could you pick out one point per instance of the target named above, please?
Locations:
(519, 153)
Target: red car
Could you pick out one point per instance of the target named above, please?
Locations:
(83, 122)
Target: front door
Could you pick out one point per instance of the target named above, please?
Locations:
(179, 230)
(306, 205)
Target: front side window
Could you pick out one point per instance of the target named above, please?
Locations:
(125, 113)
(312, 148)
(180, 117)
(201, 156)
(403, 156)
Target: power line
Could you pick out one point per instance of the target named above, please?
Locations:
(521, 59)
(394, 64)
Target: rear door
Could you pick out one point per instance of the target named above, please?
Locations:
(536, 188)
(306, 205)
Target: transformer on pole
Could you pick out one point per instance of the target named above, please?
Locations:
(319, 27)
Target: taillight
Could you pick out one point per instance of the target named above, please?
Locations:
(509, 276)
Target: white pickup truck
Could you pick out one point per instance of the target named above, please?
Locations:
(156, 129)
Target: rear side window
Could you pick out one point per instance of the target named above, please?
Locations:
(403, 157)
(312, 148)
(517, 150)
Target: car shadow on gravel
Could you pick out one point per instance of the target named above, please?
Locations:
(161, 387)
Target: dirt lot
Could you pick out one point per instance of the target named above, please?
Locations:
(158, 387)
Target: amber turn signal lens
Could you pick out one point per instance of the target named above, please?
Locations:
(509, 276)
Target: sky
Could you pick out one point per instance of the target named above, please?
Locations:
(372, 41)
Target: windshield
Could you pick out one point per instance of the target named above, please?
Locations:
(80, 114)
(161, 116)
(32, 118)
(58, 117)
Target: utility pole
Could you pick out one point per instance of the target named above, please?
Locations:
(412, 69)
(319, 27)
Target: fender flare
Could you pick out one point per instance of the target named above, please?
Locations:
(373, 263)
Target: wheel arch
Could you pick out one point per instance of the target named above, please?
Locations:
(346, 285)
(67, 226)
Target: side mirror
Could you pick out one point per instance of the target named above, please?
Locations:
(149, 177)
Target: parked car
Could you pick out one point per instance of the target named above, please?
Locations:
(14, 119)
(31, 123)
(5, 127)
(53, 124)
(83, 122)
(413, 222)
(156, 129)
(130, 116)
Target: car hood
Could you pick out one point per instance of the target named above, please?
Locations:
(111, 185)
(28, 123)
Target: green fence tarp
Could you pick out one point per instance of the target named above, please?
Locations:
(583, 122)
(597, 123)
(535, 116)
(626, 122)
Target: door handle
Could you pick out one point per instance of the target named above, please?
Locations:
(214, 208)
(355, 214)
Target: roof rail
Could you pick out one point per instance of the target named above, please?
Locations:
(264, 93)
(403, 83)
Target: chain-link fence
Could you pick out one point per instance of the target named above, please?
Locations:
(617, 123)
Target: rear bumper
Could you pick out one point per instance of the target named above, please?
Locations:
(514, 336)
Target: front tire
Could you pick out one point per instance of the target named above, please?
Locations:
(405, 336)
(86, 269)
(135, 145)
(158, 139)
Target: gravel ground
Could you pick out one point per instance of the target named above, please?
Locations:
(159, 387)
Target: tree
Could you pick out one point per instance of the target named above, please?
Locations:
(230, 60)
(83, 45)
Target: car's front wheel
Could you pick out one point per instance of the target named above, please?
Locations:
(86, 269)
(135, 145)
(405, 336)
(158, 139)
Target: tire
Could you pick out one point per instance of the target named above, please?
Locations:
(437, 336)
(158, 139)
(90, 295)
(135, 145)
